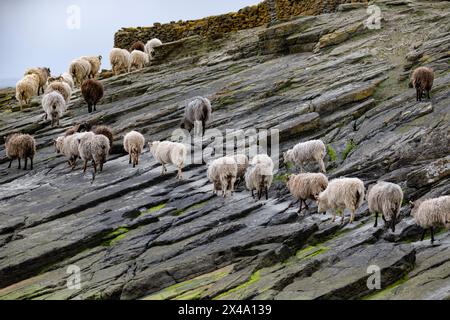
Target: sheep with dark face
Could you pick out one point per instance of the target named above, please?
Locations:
(43, 74)
(95, 62)
(92, 91)
(198, 110)
(20, 146)
(151, 45)
(422, 79)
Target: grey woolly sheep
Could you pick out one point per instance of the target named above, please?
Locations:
(259, 175)
(95, 62)
(222, 173)
(20, 146)
(133, 144)
(168, 152)
(306, 186)
(198, 110)
(422, 79)
(385, 198)
(68, 145)
(340, 194)
(43, 74)
(432, 213)
(92, 91)
(95, 148)
(54, 106)
(313, 150)
(27, 88)
(242, 164)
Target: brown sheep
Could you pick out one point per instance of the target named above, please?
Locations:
(92, 91)
(20, 146)
(422, 79)
(138, 45)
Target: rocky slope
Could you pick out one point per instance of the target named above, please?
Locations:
(135, 234)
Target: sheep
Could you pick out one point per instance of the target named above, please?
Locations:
(54, 106)
(68, 145)
(242, 163)
(259, 175)
(20, 146)
(422, 79)
(80, 70)
(222, 172)
(168, 152)
(93, 147)
(307, 186)
(106, 131)
(133, 144)
(95, 62)
(120, 60)
(138, 60)
(59, 86)
(92, 91)
(385, 198)
(198, 110)
(27, 88)
(75, 129)
(313, 150)
(340, 194)
(67, 78)
(43, 74)
(432, 213)
(138, 45)
(151, 45)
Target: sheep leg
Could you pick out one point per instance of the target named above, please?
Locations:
(428, 95)
(203, 127)
(417, 94)
(26, 163)
(253, 194)
(322, 166)
(393, 224)
(259, 194)
(423, 234)
(95, 107)
(31, 163)
(19, 164)
(130, 159)
(306, 205)
(300, 209)
(10, 162)
(95, 166)
(376, 220)
(267, 193)
(352, 216)
(334, 216)
(89, 108)
(85, 166)
(180, 173)
(432, 235)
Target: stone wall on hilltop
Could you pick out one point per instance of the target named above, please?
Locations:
(216, 26)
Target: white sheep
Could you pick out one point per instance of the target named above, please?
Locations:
(197, 110)
(120, 60)
(68, 145)
(168, 152)
(95, 62)
(313, 150)
(93, 147)
(306, 186)
(54, 106)
(432, 213)
(138, 60)
(27, 88)
(133, 144)
(222, 173)
(67, 78)
(43, 74)
(385, 198)
(80, 70)
(151, 45)
(340, 194)
(259, 175)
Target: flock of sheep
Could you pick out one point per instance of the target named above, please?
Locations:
(94, 144)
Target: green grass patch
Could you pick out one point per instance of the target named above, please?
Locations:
(311, 251)
(153, 209)
(115, 236)
(349, 147)
(193, 207)
(284, 178)
(382, 292)
(331, 153)
(253, 278)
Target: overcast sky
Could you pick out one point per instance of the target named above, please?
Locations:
(44, 33)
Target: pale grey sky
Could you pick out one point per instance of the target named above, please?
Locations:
(35, 32)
